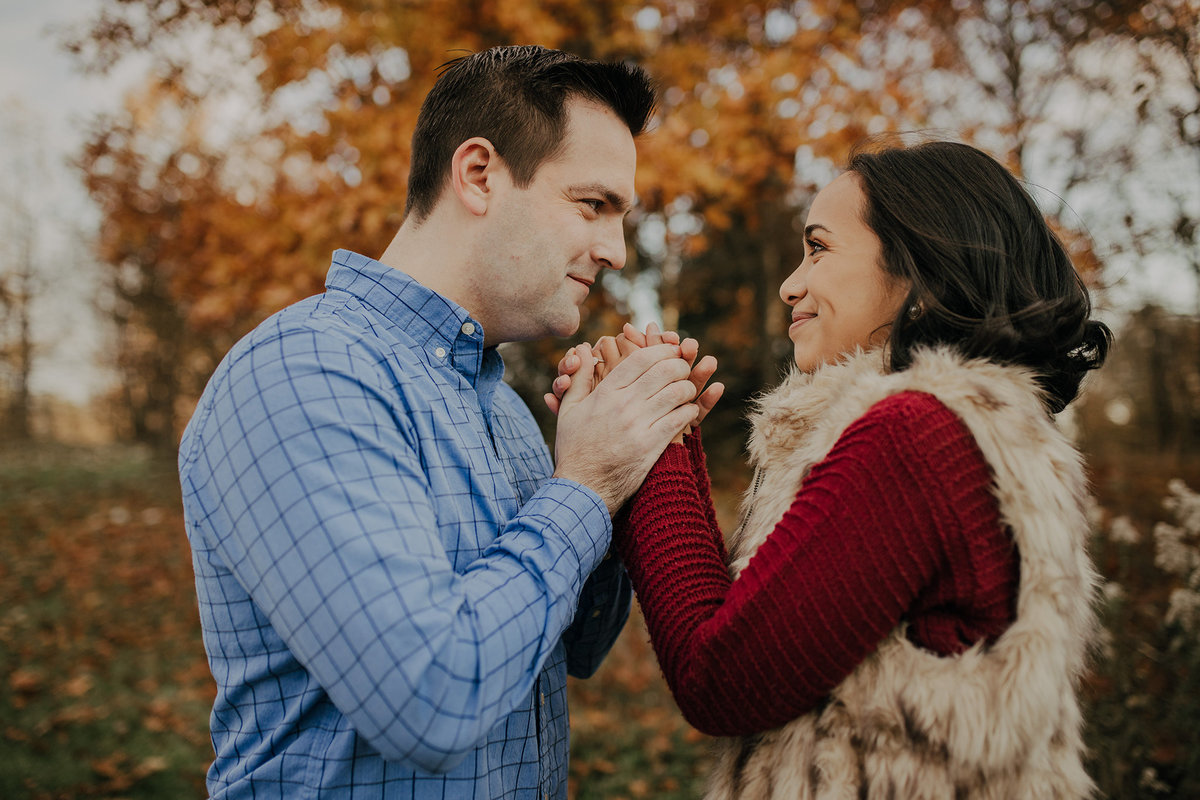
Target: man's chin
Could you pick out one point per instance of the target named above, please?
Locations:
(567, 327)
(551, 330)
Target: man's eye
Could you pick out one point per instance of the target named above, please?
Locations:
(595, 205)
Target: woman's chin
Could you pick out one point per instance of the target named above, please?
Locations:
(806, 364)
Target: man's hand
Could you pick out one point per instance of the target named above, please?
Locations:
(611, 351)
(609, 436)
(608, 352)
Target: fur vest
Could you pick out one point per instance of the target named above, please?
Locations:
(997, 722)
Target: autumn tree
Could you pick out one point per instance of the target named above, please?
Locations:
(1145, 74)
(17, 293)
(21, 283)
(150, 201)
(757, 104)
(1096, 104)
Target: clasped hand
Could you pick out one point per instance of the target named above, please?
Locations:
(620, 404)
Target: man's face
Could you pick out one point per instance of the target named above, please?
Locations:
(546, 244)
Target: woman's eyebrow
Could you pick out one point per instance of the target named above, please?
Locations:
(811, 229)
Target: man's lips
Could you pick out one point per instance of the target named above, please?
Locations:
(585, 281)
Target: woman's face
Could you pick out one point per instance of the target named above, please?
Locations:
(840, 296)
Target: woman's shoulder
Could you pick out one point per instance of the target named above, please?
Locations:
(908, 405)
(915, 412)
(918, 430)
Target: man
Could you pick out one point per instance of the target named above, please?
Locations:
(392, 585)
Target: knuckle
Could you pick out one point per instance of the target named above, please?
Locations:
(666, 370)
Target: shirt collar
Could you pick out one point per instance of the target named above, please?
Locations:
(443, 330)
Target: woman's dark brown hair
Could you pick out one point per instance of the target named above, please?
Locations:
(987, 274)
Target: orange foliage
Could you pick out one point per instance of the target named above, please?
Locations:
(231, 262)
(227, 236)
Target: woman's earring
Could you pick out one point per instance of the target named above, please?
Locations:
(915, 311)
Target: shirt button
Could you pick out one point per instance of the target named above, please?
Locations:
(440, 352)
(468, 328)
(543, 698)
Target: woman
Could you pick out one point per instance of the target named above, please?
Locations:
(905, 608)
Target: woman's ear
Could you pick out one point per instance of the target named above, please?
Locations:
(473, 169)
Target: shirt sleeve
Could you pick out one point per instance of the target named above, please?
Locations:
(306, 482)
(859, 544)
(603, 610)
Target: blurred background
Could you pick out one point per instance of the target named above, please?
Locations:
(173, 171)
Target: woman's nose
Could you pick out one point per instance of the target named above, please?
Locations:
(794, 286)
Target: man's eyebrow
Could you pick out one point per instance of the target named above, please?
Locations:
(617, 201)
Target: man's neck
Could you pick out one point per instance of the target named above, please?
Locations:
(432, 253)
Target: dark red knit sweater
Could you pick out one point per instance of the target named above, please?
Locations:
(897, 524)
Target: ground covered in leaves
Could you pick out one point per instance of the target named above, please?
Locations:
(104, 690)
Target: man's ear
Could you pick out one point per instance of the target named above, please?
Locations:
(474, 168)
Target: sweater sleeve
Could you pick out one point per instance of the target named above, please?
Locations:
(699, 468)
(876, 524)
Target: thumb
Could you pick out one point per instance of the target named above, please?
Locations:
(581, 381)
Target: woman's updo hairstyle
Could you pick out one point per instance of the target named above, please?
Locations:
(988, 276)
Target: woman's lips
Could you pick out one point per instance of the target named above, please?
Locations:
(798, 321)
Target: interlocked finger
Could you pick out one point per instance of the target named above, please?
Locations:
(665, 386)
(608, 354)
(639, 364)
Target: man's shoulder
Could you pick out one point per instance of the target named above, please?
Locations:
(322, 324)
(315, 336)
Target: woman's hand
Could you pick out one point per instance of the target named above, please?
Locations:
(700, 375)
(610, 434)
(608, 352)
(611, 351)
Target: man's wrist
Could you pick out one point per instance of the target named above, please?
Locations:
(591, 513)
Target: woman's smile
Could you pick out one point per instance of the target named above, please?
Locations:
(798, 320)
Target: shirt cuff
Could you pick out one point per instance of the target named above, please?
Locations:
(578, 515)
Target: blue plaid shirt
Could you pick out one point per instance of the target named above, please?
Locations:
(391, 587)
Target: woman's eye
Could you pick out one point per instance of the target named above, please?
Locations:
(814, 246)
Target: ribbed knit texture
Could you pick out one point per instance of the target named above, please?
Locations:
(897, 524)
